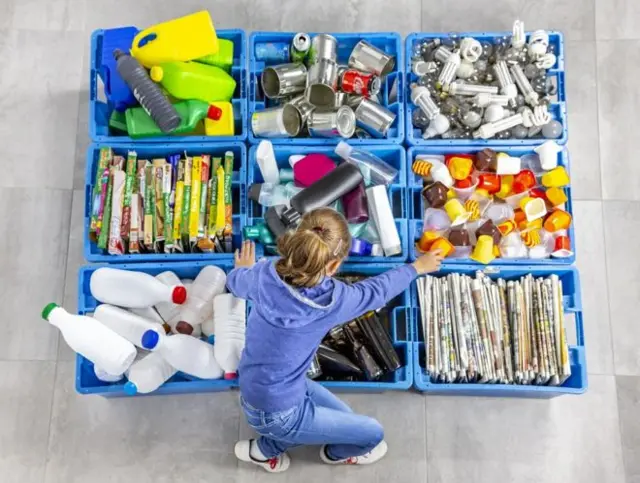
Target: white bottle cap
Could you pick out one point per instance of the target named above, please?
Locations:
(343, 150)
(548, 152)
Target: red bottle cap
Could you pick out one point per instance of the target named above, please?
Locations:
(230, 375)
(214, 112)
(179, 294)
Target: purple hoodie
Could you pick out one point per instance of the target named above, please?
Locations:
(286, 325)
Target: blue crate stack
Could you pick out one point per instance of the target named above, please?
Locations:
(389, 42)
(557, 109)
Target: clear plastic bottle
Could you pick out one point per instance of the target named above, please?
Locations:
(210, 282)
(187, 354)
(148, 374)
(374, 170)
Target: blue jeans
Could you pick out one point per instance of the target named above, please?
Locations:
(321, 418)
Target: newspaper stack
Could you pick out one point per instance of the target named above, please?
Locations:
(494, 331)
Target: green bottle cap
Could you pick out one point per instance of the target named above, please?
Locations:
(48, 309)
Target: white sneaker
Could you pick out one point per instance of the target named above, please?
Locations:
(277, 464)
(366, 459)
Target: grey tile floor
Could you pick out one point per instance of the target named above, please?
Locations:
(50, 434)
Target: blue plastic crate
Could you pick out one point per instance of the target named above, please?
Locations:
(148, 151)
(86, 381)
(416, 204)
(572, 303)
(99, 110)
(557, 109)
(389, 42)
(393, 154)
(399, 320)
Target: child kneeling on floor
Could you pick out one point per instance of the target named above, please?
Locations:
(296, 301)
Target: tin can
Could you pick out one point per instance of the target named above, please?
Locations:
(283, 121)
(374, 116)
(283, 80)
(353, 101)
(322, 83)
(305, 108)
(329, 124)
(300, 47)
(272, 52)
(368, 58)
(360, 83)
(323, 46)
(339, 100)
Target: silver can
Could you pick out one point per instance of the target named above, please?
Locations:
(374, 116)
(353, 101)
(305, 108)
(323, 46)
(330, 124)
(283, 80)
(339, 100)
(369, 58)
(282, 121)
(322, 83)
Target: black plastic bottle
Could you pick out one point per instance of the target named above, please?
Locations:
(323, 192)
(147, 92)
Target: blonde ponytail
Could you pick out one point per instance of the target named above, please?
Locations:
(322, 236)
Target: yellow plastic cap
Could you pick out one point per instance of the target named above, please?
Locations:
(157, 73)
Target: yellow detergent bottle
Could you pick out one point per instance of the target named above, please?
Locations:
(225, 126)
(192, 80)
(181, 39)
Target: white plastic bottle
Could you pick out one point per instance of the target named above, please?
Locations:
(126, 288)
(169, 311)
(185, 353)
(380, 211)
(104, 376)
(230, 325)
(109, 351)
(374, 170)
(267, 162)
(148, 374)
(149, 313)
(127, 324)
(210, 282)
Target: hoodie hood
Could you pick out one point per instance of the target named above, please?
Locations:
(286, 306)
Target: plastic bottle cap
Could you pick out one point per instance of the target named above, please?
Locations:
(214, 112)
(130, 389)
(343, 150)
(211, 339)
(156, 73)
(230, 375)
(150, 339)
(179, 294)
(183, 327)
(48, 309)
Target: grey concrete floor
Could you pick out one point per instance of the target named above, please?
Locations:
(48, 433)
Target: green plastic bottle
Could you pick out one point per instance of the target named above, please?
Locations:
(117, 121)
(192, 80)
(259, 232)
(223, 58)
(140, 124)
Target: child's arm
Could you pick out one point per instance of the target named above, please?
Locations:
(241, 280)
(375, 292)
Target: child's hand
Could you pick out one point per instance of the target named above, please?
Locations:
(429, 262)
(246, 256)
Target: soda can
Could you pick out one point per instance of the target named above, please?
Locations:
(305, 108)
(272, 52)
(330, 124)
(359, 83)
(323, 46)
(374, 116)
(283, 121)
(368, 58)
(300, 47)
(322, 83)
(283, 80)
